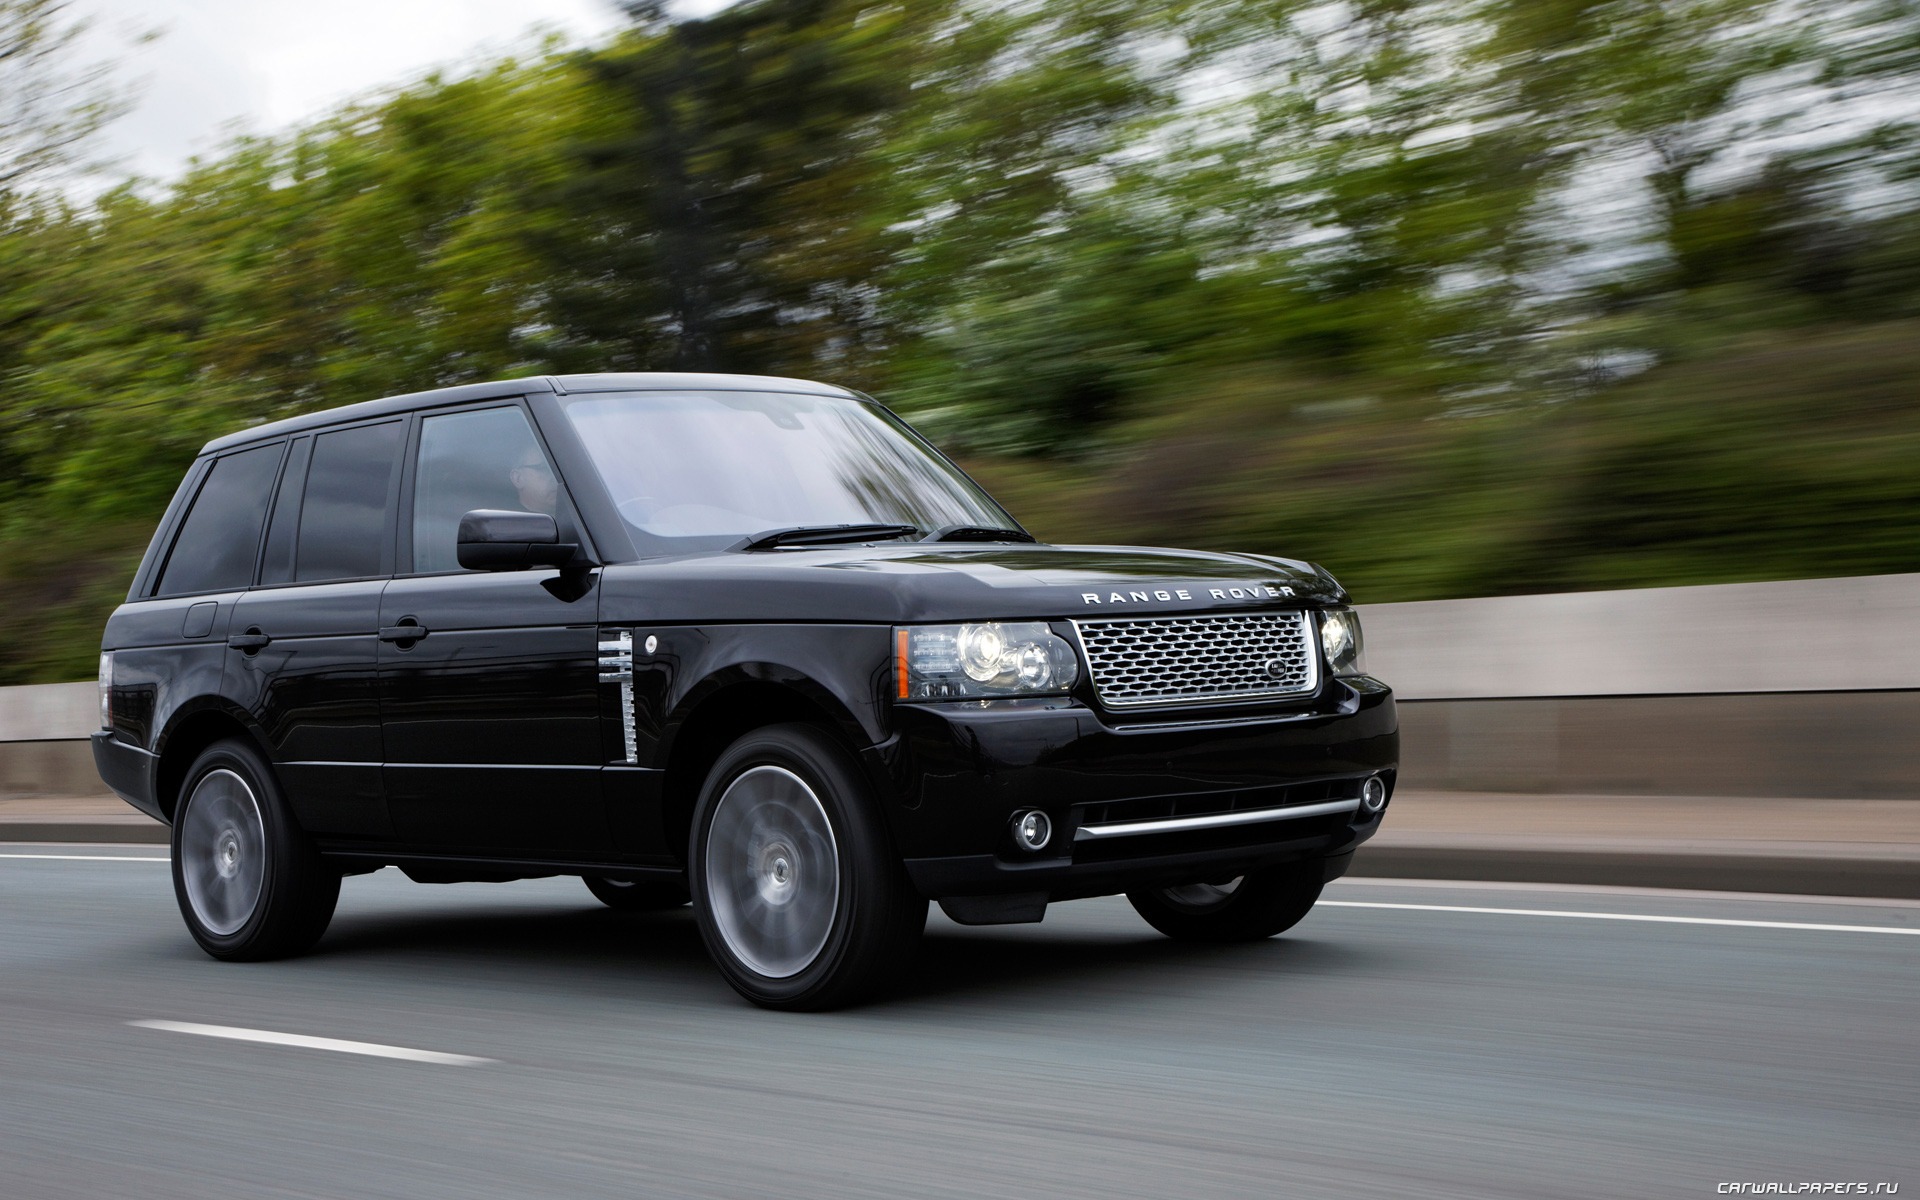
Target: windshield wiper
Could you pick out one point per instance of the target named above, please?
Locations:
(822, 535)
(977, 533)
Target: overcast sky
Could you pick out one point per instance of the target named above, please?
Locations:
(268, 64)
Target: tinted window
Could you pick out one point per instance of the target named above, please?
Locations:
(276, 561)
(343, 519)
(218, 539)
(469, 460)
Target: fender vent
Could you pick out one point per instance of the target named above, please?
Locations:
(616, 666)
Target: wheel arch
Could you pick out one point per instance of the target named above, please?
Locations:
(190, 732)
(720, 714)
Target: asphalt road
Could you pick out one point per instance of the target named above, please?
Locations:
(1374, 1051)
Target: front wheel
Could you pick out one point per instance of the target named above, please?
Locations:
(800, 899)
(249, 883)
(1245, 909)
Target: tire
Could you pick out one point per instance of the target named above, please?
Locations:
(631, 896)
(1247, 909)
(248, 880)
(801, 901)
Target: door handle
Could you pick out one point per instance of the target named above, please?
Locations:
(405, 631)
(252, 641)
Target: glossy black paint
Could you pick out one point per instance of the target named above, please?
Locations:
(511, 541)
(966, 767)
(128, 770)
(164, 678)
(960, 771)
(492, 717)
(310, 697)
(904, 583)
(489, 745)
(843, 670)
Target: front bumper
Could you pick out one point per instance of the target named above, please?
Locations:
(1132, 804)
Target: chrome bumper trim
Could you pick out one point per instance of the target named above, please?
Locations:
(1250, 817)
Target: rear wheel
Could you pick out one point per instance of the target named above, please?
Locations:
(630, 896)
(248, 881)
(1244, 909)
(801, 901)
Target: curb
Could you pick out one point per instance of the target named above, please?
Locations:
(1690, 870)
(150, 833)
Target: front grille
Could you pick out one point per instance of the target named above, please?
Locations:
(1200, 660)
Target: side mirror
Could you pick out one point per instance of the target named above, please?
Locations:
(496, 540)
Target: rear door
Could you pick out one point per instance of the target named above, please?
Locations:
(489, 680)
(170, 648)
(303, 645)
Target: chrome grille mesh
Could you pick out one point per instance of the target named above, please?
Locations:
(1200, 660)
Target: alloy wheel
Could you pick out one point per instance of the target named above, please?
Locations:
(773, 870)
(223, 850)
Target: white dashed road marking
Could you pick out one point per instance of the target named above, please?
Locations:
(304, 1042)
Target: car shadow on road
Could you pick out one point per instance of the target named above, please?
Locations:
(565, 948)
(583, 937)
(965, 964)
(531, 949)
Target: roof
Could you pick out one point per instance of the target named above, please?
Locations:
(565, 385)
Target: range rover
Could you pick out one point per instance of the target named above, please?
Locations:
(744, 643)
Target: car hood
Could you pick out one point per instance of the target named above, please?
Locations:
(892, 582)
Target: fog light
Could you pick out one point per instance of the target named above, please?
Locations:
(1032, 830)
(1373, 794)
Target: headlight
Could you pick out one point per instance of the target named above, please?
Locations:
(989, 658)
(1340, 638)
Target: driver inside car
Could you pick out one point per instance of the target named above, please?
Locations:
(533, 479)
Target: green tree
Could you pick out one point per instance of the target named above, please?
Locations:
(50, 105)
(388, 249)
(735, 219)
(1035, 286)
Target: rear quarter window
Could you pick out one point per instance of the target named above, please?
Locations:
(220, 536)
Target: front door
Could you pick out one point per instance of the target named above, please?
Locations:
(489, 690)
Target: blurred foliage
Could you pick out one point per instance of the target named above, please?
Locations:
(1456, 296)
(50, 105)
(1781, 456)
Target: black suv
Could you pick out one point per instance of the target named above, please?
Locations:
(745, 642)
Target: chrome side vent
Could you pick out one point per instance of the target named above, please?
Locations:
(616, 666)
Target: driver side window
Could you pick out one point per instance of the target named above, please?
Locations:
(488, 458)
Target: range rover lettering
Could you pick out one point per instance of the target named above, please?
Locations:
(740, 642)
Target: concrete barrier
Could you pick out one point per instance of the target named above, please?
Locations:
(47, 712)
(1805, 635)
(43, 746)
(1843, 745)
(1799, 688)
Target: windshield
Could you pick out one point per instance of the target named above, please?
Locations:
(702, 470)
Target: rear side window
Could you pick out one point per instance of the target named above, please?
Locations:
(343, 518)
(276, 561)
(219, 538)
